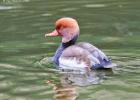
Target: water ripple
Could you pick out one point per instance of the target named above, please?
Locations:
(7, 7)
(95, 5)
(46, 14)
(14, 1)
(69, 9)
(8, 66)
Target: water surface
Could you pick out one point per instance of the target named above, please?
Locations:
(112, 25)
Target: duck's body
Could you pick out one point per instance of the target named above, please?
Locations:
(72, 55)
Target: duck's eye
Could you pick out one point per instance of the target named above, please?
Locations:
(59, 32)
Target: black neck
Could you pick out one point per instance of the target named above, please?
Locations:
(71, 42)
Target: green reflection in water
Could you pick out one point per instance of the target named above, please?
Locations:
(112, 25)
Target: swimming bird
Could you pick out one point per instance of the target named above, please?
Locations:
(71, 54)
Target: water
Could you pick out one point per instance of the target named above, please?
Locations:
(112, 25)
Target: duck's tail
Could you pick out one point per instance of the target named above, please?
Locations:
(104, 65)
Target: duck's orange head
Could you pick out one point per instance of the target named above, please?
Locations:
(65, 27)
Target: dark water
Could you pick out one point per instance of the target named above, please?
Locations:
(112, 25)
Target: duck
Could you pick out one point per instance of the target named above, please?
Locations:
(70, 54)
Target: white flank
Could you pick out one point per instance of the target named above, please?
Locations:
(72, 64)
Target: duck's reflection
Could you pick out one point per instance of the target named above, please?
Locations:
(64, 91)
(67, 90)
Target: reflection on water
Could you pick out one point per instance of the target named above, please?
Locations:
(69, 9)
(63, 91)
(14, 1)
(112, 25)
(66, 89)
(80, 79)
(46, 14)
(95, 5)
(6, 7)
